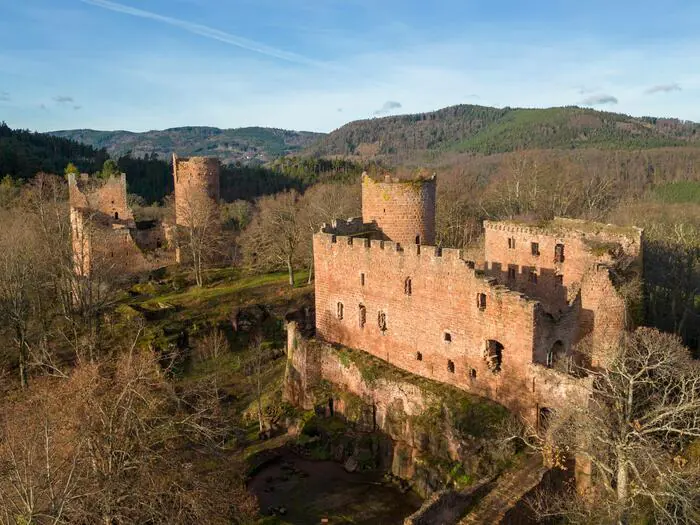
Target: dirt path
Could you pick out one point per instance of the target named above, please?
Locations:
(311, 490)
(510, 488)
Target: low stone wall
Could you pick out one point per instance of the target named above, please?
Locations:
(440, 436)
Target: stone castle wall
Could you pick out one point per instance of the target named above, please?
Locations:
(105, 247)
(511, 257)
(103, 228)
(104, 196)
(403, 210)
(440, 318)
(196, 178)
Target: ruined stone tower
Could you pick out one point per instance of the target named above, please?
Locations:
(404, 210)
(195, 178)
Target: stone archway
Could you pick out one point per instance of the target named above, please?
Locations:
(494, 355)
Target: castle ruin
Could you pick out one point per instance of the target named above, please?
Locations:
(506, 328)
(197, 189)
(103, 228)
(104, 232)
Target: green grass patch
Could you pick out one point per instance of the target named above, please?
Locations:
(471, 415)
(679, 192)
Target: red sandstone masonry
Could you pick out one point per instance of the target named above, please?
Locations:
(403, 210)
(194, 177)
(108, 197)
(443, 300)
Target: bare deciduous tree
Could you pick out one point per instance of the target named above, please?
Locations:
(274, 237)
(199, 235)
(637, 431)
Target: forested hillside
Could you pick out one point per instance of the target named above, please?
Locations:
(486, 130)
(246, 145)
(23, 154)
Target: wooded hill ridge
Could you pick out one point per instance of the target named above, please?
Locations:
(254, 145)
(488, 130)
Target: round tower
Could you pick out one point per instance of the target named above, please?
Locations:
(196, 178)
(403, 209)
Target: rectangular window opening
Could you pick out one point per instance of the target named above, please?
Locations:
(559, 253)
(535, 248)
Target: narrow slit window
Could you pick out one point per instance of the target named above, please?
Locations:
(362, 315)
(535, 248)
(418, 240)
(339, 311)
(481, 301)
(450, 366)
(362, 279)
(511, 243)
(381, 321)
(408, 286)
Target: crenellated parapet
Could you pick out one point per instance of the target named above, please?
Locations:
(629, 238)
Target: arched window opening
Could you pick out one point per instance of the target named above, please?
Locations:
(408, 286)
(340, 311)
(362, 314)
(116, 215)
(450, 366)
(472, 374)
(494, 356)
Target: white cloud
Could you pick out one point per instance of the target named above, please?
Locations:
(206, 31)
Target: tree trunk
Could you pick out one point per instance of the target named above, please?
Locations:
(622, 487)
(23, 377)
(311, 273)
(290, 270)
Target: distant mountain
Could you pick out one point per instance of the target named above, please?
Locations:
(487, 130)
(247, 145)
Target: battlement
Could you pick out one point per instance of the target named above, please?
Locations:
(563, 227)
(431, 259)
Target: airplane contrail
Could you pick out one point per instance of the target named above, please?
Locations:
(207, 32)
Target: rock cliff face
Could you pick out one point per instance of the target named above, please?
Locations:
(426, 433)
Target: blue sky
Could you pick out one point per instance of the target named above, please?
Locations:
(317, 64)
